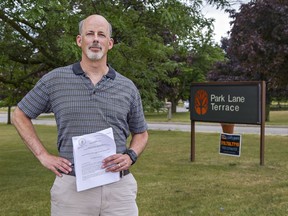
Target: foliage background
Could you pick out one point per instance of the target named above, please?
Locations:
(161, 45)
(257, 47)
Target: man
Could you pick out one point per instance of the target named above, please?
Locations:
(87, 97)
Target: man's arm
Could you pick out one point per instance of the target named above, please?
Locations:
(137, 144)
(27, 132)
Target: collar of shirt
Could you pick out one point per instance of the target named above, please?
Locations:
(77, 69)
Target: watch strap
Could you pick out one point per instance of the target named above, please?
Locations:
(133, 156)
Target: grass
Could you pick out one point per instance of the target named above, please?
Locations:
(169, 184)
(276, 117)
(24, 183)
(214, 184)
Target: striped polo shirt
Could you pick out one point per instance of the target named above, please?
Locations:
(82, 108)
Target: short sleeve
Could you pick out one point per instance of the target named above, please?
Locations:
(136, 119)
(36, 101)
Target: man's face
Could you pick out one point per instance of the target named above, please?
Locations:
(95, 38)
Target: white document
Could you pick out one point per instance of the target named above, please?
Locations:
(89, 151)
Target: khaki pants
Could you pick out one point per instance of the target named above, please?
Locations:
(116, 199)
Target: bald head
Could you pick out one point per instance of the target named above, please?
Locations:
(97, 19)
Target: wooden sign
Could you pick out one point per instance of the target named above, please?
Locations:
(237, 102)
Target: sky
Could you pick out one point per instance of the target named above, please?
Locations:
(221, 23)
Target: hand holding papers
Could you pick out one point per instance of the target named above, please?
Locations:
(89, 151)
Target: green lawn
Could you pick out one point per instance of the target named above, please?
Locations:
(169, 184)
(276, 117)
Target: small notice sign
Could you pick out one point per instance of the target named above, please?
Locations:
(230, 144)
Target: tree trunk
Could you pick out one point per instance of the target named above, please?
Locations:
(267, 106)
(174, 105)
(267, 113)
(9, 115)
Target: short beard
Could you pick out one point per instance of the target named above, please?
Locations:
(95, 56)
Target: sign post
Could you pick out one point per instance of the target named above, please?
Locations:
(263, 116)
(229, 102)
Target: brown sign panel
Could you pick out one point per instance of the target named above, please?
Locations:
(231, 102)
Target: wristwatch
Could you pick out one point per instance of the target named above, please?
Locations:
(133, 156)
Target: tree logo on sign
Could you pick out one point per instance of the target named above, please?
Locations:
(201, 102)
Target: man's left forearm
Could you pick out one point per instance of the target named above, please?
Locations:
(139, 142)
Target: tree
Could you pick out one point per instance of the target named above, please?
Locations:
(32, 39)
(147, 35)
(258, 46)
(173, 32)
(190, 37)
